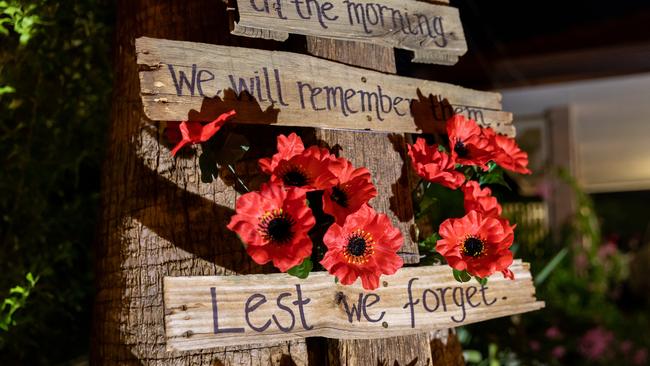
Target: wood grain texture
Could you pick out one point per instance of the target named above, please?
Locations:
(198, 310)
(358, 99)
(422, 27)
(157, 217)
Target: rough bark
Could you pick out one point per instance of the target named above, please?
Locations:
(158, 219)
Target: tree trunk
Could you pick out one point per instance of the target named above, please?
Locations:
(159, 219)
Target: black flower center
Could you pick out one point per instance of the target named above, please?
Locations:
(295, 178)
(339, 196)
(279, 230)
(473, 247)
(276, 227)
(460, 149)
(359, 248)
(356, 246)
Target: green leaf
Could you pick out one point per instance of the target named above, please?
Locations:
(428, 202)
(472, 356)
(18, 290)
(461, 276)
(551, 266)
(494, 177)
(481, 281)
(233, 149)
(31, 279)
(302, 270)
(7, 89)
(431, 241)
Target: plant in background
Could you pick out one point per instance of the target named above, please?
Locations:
(55, 84)
(17, 298)
(586, 320)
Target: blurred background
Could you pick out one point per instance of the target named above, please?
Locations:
(575, 74)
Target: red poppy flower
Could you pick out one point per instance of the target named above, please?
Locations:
(273, 223)
(353, 189)
(288, 147)
(365, 246)
(509, 156)
(468, 145)
(477, 243)
(194, 132)
(480, 200)
(309, 170)
(433, 165)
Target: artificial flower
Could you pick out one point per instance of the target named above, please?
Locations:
(273, 223)
(478, 244)
(311, 170)
(364, 246)
(352, 190)
(508, 155)
(480, 200)
(288, 147)
(194, 132)
(433, 165)
(468, 144)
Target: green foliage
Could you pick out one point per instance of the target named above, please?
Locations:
(428, 251)
(55, 90)
(494, 176)
(21, 18)
(17, 298)
(461, 276)
(302, 270)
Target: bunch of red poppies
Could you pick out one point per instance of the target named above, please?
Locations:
(275, 223)
(477, 244)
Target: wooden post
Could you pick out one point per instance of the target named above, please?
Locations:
(384, 157)
(158, 219)
(561, 156)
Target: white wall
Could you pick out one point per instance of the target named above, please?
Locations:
(611, 127)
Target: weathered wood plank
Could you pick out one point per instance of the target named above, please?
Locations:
(211, 311)
(305, 91)
(405, 24)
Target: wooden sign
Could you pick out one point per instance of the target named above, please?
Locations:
(268, 87)
(204, 312)
(433, 32)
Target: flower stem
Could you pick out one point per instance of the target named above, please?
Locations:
(232, 170)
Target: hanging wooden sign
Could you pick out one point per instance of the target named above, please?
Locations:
(268, 87)
(204, 312)
(433, 32)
